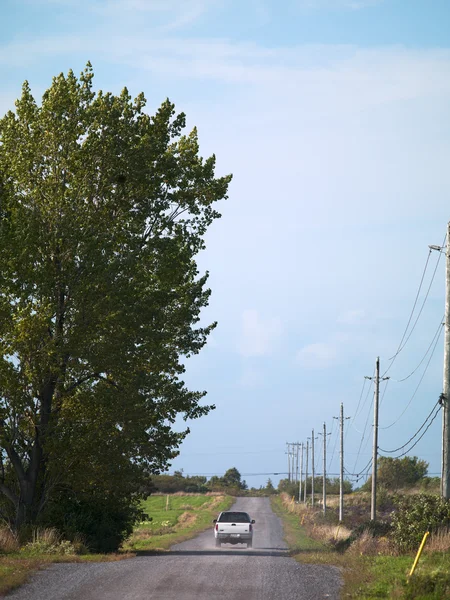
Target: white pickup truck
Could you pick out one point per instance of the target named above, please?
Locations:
(233, 527)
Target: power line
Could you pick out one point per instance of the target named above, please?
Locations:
(404, 341)
(415, 444)
(364, 432)
(416, 390)
(384, 391)
(417, 432)
(441, 325)
(399, 349)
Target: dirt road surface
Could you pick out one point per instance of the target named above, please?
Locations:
(195, 570)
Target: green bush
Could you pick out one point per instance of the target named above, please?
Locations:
(103, 522)
(48, 541)
(428, 585)
(414, 515)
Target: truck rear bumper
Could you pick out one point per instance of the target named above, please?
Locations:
(235, 539)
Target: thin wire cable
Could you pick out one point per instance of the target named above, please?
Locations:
(384, 392)
(363, 435)
(399, 349)
(417, 388)
(334, 448)
(415, 435)
(404, 341)
(363, 405)
(424, 300)
(417, 441)
(360, 397)
(364, 469)
(438, 330)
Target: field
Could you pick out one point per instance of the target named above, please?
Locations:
(175, 518)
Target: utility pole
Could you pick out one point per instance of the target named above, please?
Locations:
(445, 397)
(341, 470)
(446, 383)
(312, 468)
(289, 460)
(373, 504)
(306, 469)
(324, 491)
(301, 476)
(296, 464)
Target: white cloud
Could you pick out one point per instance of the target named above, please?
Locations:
(258, 336)
(317, 356)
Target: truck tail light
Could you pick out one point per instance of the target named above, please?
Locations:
(217, 527)
(250, 527)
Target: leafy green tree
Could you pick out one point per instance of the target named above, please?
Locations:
(232, 478)
(269, 487)
(333, 485)
(103, 209)
(397, 473)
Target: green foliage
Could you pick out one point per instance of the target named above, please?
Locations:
(432, 585)
(104, 522)
(170, 484)
(398, 473)
(103, 210)
(169, 524)
(414, 515)
(230, 483)
(269, 487)
(332, 485)
(232, 478)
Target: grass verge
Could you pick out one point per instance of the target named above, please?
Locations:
(370, 577)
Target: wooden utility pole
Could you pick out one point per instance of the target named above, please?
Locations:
(445, 481)
(312, 468)
(376, 399)
(341, 469)
(373, 504)
(324, 492)
(306, 469)
(301, 475)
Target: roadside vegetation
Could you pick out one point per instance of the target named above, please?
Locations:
(170, 519)
(175, 518)
(375, 557)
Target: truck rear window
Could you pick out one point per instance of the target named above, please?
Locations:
(234, 517)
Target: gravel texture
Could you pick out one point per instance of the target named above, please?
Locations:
(195, 570)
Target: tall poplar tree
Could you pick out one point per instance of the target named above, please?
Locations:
(103, 210)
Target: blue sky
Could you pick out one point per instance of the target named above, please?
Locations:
(334, 117)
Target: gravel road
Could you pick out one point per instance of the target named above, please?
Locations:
(195, 570)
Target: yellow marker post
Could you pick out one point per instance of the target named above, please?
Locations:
(419, 552)
(337, 532)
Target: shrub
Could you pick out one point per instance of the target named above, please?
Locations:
(428, 585)
(414, 515)
(102, 523)
(48, 541)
